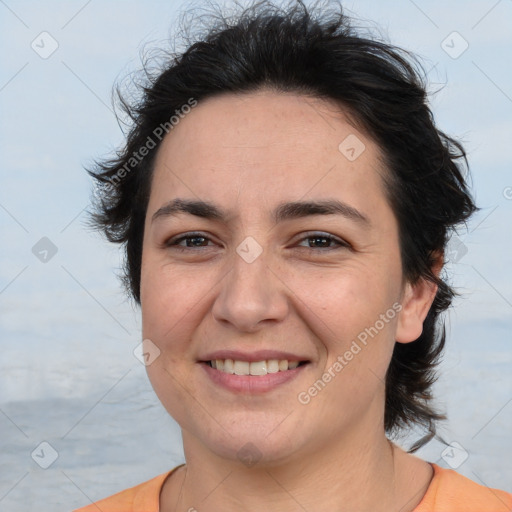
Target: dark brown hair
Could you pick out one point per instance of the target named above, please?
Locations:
(318, 53)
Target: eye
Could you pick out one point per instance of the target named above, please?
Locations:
(200, 240)
(324, 240)
(197, 240)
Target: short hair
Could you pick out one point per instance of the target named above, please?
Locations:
(383, 91)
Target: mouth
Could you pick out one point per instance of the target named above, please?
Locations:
(252, 377)
(253, 368)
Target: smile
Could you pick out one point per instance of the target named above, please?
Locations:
(252, 377)
(256, 368)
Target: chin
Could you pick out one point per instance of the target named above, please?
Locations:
(248, 443)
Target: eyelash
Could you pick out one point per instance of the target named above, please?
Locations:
(173, 242)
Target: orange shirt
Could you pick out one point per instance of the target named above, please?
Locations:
(448, 492)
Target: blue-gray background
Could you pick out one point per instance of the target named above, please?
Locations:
(68, 375)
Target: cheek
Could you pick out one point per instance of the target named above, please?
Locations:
(175, 390)
(170, 305)
(169, 296)
(355, 313)
(358, 344)
(348, 299)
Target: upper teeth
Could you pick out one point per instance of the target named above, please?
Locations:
(254, 368)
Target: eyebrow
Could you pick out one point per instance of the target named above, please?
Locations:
(284, 211)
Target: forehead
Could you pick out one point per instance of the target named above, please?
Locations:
(262, 144)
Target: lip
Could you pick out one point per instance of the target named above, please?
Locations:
(251, 384)
(251, 357)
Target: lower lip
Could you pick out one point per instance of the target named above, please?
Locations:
(251, 383)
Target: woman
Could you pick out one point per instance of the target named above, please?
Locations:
(285, 200)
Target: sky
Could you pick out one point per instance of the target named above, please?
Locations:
(67, 331)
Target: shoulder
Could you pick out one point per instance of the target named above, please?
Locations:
(143, 497)
(450, 491)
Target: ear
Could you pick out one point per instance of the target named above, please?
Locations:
(416, 301)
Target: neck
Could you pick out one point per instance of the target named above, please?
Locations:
(369, 475)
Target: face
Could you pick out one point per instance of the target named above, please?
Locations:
(255, 279)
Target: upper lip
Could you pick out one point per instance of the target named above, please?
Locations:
(258, 355)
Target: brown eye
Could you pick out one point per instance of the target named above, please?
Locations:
(192, 240)
(324, 241)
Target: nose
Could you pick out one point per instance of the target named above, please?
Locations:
(252, 295)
